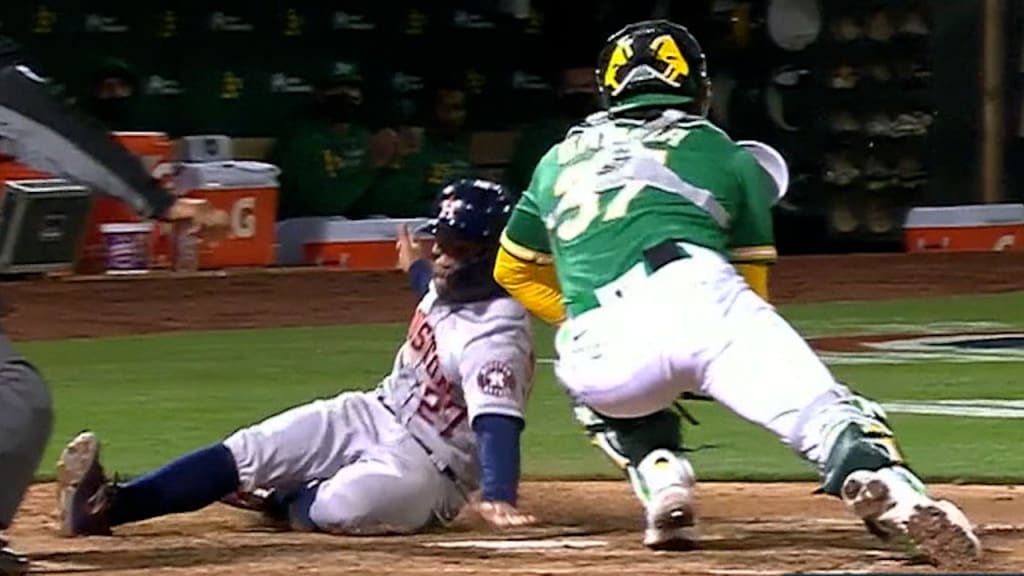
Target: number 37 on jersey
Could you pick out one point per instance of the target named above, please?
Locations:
(599, 187)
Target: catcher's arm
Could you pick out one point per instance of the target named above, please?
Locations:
(764, 176)
(533, 283)
(756, 275)
(752, 239)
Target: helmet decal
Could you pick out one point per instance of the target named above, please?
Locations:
(666, 50)
(620, 57)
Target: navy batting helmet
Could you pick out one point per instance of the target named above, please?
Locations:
(470, 217)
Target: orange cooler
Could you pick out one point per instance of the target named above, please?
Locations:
(247, 191)
(974, 228)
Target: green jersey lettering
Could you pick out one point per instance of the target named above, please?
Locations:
(614, 188)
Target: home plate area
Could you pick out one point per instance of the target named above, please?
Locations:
(586, 528)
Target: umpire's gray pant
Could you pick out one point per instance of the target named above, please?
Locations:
(26, 419)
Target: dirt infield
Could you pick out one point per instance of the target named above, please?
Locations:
(747, 529)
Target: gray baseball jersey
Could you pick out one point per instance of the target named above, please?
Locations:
(404, 455)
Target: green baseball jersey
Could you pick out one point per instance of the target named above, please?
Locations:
(616, 187)
(323, 172)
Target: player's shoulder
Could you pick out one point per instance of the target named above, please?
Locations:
(701, 131)
(492, 320)
(502, 309)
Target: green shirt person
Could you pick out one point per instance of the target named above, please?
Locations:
(408, 188)
(329, 161)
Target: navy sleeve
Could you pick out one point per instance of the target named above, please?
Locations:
(419, 277)
(498, 439)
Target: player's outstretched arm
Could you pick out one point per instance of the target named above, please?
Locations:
(41, 132)
(497, 372)
(498, 440)
(412, 262)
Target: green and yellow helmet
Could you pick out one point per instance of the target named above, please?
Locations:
(653, 63)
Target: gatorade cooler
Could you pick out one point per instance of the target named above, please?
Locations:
(976, 228)
(247, 191)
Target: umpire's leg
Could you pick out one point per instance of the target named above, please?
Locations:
(26, 418)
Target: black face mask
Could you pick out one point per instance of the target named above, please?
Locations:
(340, 108)
(115, 113)
(577, 105)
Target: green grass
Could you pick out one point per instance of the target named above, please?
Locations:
(152, 398)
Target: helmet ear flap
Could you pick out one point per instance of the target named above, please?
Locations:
(704, 97)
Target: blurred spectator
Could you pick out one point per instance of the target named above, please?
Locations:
(113, 95)
(577, 97)
(446, 140)
(329, 159)
(427, 160)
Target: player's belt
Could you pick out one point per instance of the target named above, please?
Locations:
(441, 466)
(664, 253)
(656, 257)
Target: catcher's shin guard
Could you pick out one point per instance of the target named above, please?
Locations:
(628, 441)
(859, 438)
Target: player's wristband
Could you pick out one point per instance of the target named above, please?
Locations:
(498, 438)
(419, 277)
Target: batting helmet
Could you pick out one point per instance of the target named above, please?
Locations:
(471, 215)
(469, 218)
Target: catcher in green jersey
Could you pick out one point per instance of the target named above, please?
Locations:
(645, 234)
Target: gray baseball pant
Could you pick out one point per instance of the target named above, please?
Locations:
(26, 420)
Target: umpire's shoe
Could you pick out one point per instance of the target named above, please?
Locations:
(11, 563)
(83, 492)
(893, 503)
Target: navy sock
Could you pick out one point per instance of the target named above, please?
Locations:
(189, 483)
(299, 503)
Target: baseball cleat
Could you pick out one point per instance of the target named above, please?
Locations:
(670, 520)
(83, 492)
(664, 483)
(255, 501)
(892, 502)
(271, 504)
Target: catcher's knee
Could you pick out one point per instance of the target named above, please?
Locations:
(852, 434)
(627, 441)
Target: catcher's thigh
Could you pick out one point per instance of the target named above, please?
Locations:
(392, 488)
(768, 374)
(651, 337)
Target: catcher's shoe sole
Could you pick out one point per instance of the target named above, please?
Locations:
(937, 528)
(78, 479)
(671, 521)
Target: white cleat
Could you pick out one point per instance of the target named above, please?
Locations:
(670, 520)
(668, 480)
(893, 502)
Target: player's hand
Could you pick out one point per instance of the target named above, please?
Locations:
(503, 515)
(409, 250)
(203, 219)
